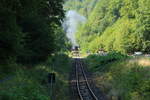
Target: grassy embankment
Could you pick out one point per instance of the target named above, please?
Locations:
(123, 77)
(30, 83)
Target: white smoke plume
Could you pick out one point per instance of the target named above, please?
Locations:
(73, 19)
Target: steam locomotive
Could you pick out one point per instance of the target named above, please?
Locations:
(75, 51)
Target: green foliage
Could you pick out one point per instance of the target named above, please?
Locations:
(28, 29)
(30, 32)
(61, 66)
(123, 79)
(25, 85)
(31, 83)
(84, 7)
(10, 35)
(61, 41)
(133, 81)
(24, 94)
(117, 25)
(98, 61)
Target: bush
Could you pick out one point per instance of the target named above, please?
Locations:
(126, 79)
(32, 83)
(8, 68)
(97, 62)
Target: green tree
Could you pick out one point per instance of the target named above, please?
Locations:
(27, 29)
(120, 25)
(10, 32)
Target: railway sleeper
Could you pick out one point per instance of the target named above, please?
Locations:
(88, 98)
(83, 87)
(82, 82)
(85, 92)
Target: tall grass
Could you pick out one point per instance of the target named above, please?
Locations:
(61, 67)
(32, 83)
(26, 84)
(126, 79)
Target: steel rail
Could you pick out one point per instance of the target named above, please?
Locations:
(78, 81)
(79, 64)
(88, 83)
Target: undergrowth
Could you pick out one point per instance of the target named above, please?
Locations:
(31, 83)
(98, 62)
(122, 78)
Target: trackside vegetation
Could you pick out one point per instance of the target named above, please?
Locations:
(121, 26)
(98, 61)
(25, 83)
(34, 45)
(31, 35)
(125, 78)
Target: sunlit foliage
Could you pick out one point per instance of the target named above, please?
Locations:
(84, 7)
(121, 78)
(120, 25)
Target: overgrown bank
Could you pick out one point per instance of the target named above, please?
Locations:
(125, 79)
(117, 25)
(30, 33)
(31, 82)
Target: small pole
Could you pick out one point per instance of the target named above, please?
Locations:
(51, 89)
(52, 81)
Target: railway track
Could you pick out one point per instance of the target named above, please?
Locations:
(83, 88)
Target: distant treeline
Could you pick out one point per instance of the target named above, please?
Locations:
(30, 30)
(83, 7)
(116, 25)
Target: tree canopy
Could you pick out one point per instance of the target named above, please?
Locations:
(30, 29)
(120, 25)
(84, 7)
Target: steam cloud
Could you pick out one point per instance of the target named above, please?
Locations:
(73, 19)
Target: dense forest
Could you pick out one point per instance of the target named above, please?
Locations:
(36, 61)
(115, 25)
(112, 25)
(30, 30)
(31, 38)
(119, 28)
(84, 7)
